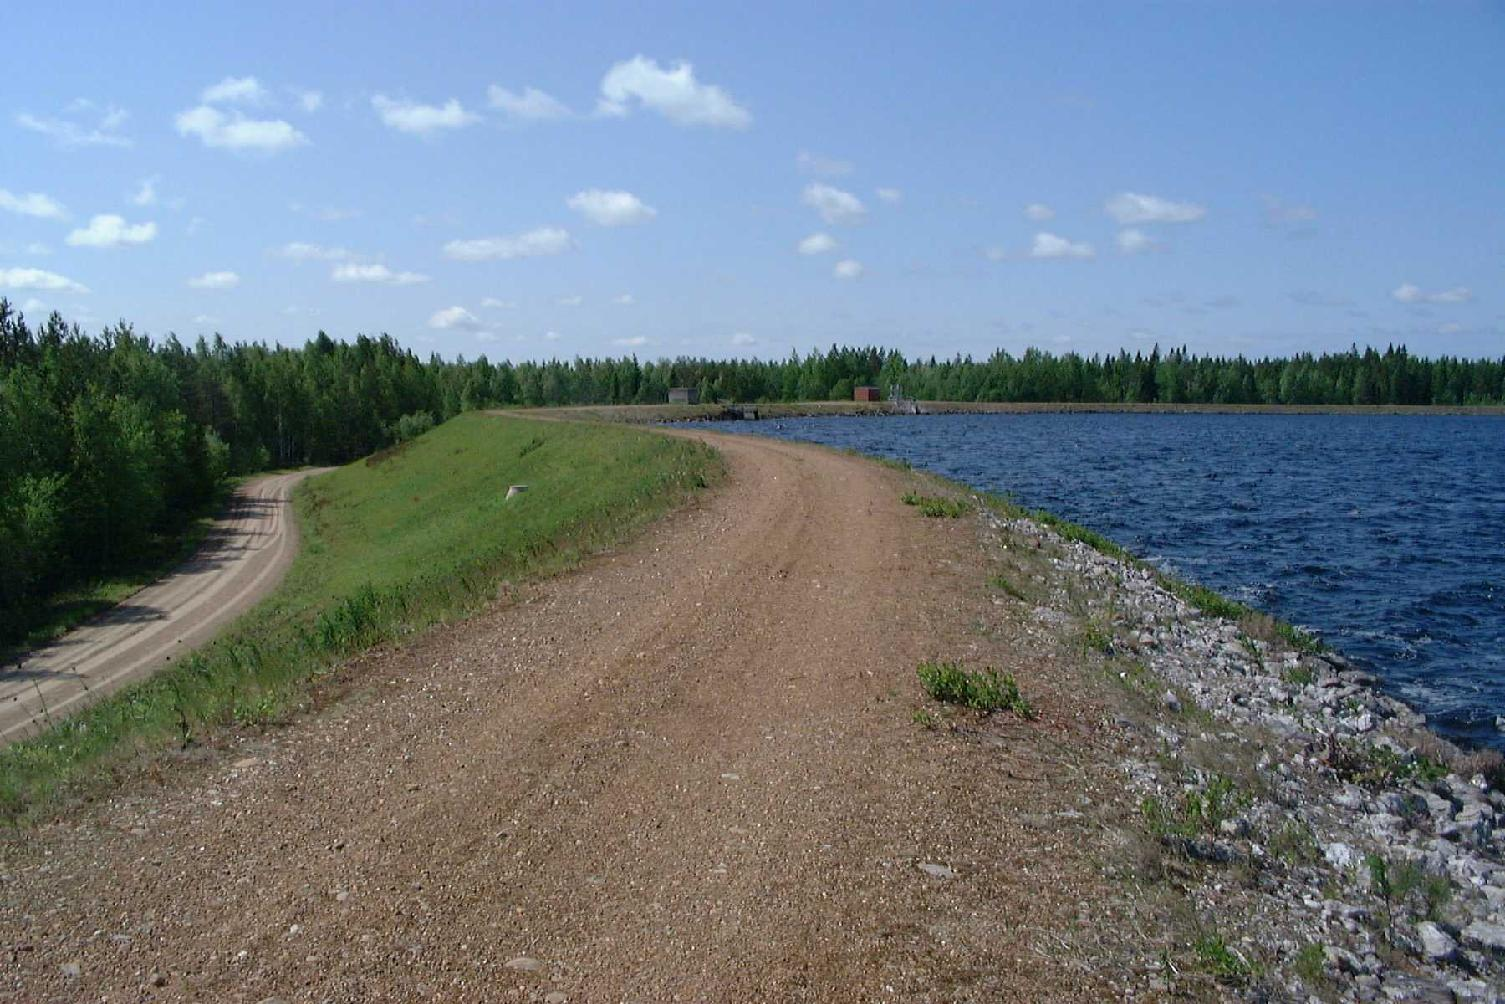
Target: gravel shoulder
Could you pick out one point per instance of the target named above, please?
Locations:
(686, 771)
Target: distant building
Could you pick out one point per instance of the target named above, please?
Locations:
(684, 395)
(867, 394)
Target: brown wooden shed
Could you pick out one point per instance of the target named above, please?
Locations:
(684, 395)
(866, 394)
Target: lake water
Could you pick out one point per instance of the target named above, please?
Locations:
(1385, 535)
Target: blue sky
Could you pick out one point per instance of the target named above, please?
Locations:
(559, 180)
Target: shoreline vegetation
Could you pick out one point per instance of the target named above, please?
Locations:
(405, 539)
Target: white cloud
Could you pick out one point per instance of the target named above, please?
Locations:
(532, 105)
(69, 134)
(33, 306)
(828, 167)
(494, 303)
(486, 336)
(632, 342)
(234, 90)
(834, 205)
(674, 94)
(108, 231)
(215, 280)
(817, 243)
(890, 195)
(1408, 293)
(146, 195)
(35, 278)
(301, 251)
(743, 338)
(454, 317)
(1050, 246)
(570, 301)
(376, 273)
(1039, 212)
(535, 243)
(310, 101)
(1131, 207)
(36, 247)
(848, 268)
(205, 320)
(32, 204)
(625, 300)
(421, 119)
(1133, 241)
(611, 209)
(551, 336)
(233, 131)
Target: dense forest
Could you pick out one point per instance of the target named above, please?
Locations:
(109, 442)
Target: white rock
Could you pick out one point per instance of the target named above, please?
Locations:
(1435, 942)
(1481, 934)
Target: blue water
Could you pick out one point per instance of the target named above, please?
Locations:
(1385, 535)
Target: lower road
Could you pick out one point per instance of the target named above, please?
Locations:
(244, 556)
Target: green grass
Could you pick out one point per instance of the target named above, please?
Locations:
(1003, 584)
(1220, 961)
(935, 506)
(391, 545)
(1200, 811)
(983, 690)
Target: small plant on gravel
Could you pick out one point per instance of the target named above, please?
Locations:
(1308, 966)
(1403, 885)
(1222, 962)
(1252, 647)
(1295, 844)
(1201, 810)
(1299, 676)
(983, 690)
(935, 506)
(925, 719)
(1002, 584)
(1096, 638)
(1378, 767)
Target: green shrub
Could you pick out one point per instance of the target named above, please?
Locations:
(983, 690)
(936, 507)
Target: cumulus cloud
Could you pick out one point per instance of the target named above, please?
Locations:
(531, 105)
(302, 251)
(108, 231)
(215, 280)
(743, 338)
(672, 93)
(376, 273)
(1048, 245)
(848, 268)
(828, 167)
(454, 317)
(1132, 241)
(35, 278)
(890, 195)
(420, 119)
(611, 209)
(834, 205)
(1409, 293)
(817, 243)
(234, 90)
(32, 204)
(533, 244)
(494, 303)
(234, 131)
(1131, 207)
(70, 133)
(146, 194)
(1039, 212)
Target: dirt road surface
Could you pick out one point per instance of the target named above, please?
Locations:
(243, 557)
(687, 771)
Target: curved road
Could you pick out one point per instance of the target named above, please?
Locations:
(243, 557)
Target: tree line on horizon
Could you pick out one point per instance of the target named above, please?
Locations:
(109, 444)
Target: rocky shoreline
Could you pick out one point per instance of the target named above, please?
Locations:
(1332, 847)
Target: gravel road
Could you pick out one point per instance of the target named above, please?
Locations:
(686, 771)
(243, 557)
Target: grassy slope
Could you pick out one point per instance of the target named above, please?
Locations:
(391, 545)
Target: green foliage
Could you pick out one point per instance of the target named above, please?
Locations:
(925, 718)
(1401, 885)
(1294, 843)
(1308, 965)
(1217, 959)
(1378, 767)
(935, 506)
(1200, 811)
(411, 426)
(983, 690)
(1002, 584)
(388, 549)
(1299, 676)
(1096, 638)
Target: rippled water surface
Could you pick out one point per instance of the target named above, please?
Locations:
(1383, 534)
